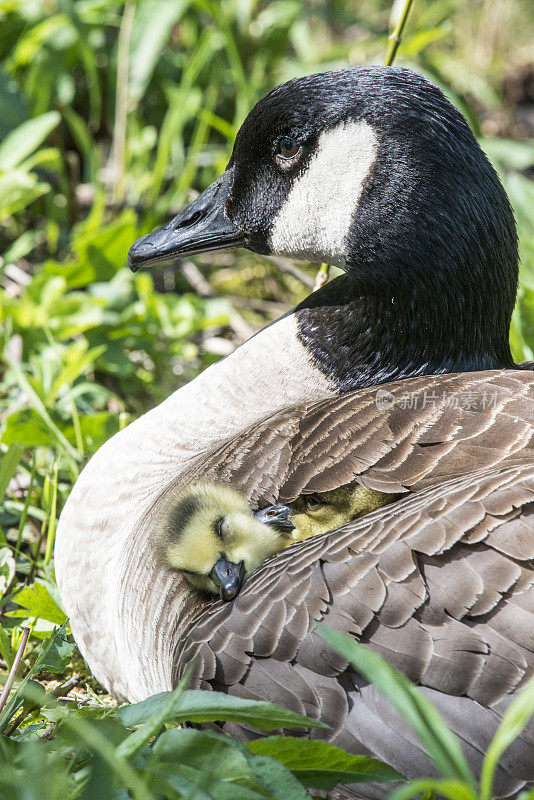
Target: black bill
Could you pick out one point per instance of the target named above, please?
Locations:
(200, 227)
(277, 516)
(228, 578)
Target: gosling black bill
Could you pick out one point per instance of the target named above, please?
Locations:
(228, 577)
(276, 516)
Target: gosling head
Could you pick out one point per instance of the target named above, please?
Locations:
(319, 512)
(212, 537)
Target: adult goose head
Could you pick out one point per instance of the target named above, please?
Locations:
(373, 170)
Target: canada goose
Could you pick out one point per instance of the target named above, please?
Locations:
(210, 535)
(373, 170)
(319, 512)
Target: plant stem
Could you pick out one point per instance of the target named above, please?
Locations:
(394, 41)
(14, 668)
(395, 38)
(121, 101)
(55, 693)
(52, 518)
(24, 515)
(322, 276)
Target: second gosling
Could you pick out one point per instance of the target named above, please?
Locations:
(319, 512)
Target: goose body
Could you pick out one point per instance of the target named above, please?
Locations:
(373, 170)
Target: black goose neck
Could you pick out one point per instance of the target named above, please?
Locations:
(364, 338)
(432, 261)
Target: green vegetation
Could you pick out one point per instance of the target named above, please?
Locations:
(456, 780)
(113, 115)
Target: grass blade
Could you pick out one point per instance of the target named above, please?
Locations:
(440, 743)
(8, 465)
(513, 723)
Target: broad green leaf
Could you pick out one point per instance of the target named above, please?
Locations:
(56, 652)
(21, 142)
(276, 778)
(28, 426)
(148, 729)
(19, 189)
(222, 762)
(41, 409)
(95, 429)
(98, 736)
(8, 464)
(439, 742)
(211, 757)
(321, 764)
(202, 706)
(38, 602)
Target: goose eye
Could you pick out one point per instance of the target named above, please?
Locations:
(288, 148)
(313, 500)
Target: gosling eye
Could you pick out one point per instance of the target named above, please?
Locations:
(287, 150)
(222, 527)
(313, 501)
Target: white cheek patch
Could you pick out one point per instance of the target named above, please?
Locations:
(315, 218)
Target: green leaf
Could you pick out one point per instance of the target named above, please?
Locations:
(509, 153)
(9, 464)
(7, 569)
(96, 429)
(148, 729)
(28, 426)
(56, 652)
(276, 778)
(17, 190)
(433, 787)
(527, 795)
(14, 105)
(440, 743)
(220, 763)
(153, 23)
(54, 655)
(38, 602)
(39, 406)
(514, 721)
(201, 706)
(21, 142)
(321, 764)
(6, 650)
